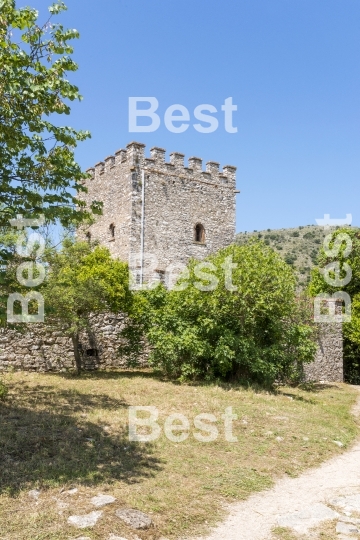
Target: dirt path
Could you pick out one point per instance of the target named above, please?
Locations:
(299, 503)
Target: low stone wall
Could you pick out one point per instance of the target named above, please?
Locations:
(41, 349)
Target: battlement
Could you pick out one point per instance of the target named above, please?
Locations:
(134, 157)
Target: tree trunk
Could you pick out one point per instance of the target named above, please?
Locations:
(77, 356)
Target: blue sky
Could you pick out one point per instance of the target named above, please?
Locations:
(291, 67)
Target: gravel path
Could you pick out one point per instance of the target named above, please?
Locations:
(299, 503)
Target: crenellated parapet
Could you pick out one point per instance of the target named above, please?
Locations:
(134, 158)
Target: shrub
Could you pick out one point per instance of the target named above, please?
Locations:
(290, 259)
(255, 333)
(295, 234)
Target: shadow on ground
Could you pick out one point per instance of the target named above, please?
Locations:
(43, 444)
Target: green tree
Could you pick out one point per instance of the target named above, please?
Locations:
(38, 170)
(343, 256)
(258, 332)
(83, 279)
(10, 261)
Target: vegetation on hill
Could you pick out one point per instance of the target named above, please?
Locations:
(298, 246)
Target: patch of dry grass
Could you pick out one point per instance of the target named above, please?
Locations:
(58, 432)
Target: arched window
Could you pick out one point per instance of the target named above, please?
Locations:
(199, 233)
(112, 231)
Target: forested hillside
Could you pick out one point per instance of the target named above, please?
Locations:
(298, 246)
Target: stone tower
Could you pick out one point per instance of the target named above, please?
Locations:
(157, 215)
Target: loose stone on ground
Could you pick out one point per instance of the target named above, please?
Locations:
(307, 518)
(71, 491)
(102, 500)
(346, 528)
(134, 518)
(34, 494)
(351, 503)
(88, 520)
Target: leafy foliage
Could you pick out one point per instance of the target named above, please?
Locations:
(10, 261)
(83, 279)
(258, 332)
(318, 285)
(38, 171)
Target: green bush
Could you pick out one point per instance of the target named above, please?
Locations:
(257, 333)
(290, 259)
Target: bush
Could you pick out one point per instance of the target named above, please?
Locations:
(3, 390)
(256, 333)
(295, 234)
(290, 259)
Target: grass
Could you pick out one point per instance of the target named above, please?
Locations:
(325, 531)
(58, 432)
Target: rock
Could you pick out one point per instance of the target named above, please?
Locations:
(88, 520)
(102, 500)
(71, 491)
(346, 528)
(279, 439)
(34, 494)
(338, 443)
(114, 537)
(307, 518)
(83, 538)
(350, 503)
(353, 521)
(134, 518)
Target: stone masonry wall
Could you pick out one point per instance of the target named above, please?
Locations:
(41, 349)
(329, 362)
(176, 198)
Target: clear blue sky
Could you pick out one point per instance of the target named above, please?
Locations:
(291, 66)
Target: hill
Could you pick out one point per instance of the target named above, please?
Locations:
(298, 246)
